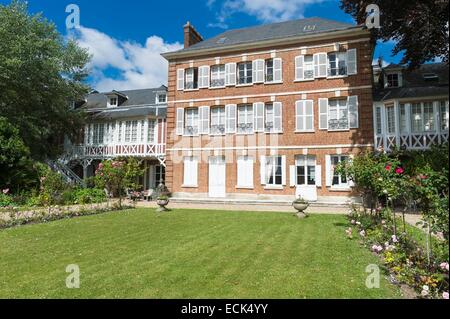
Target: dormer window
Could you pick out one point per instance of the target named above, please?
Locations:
(161, 98)
(113, 102)
(430, 77)
(392, 80)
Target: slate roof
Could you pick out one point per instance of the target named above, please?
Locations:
(141, 97)
(281, 30)
(415, 85)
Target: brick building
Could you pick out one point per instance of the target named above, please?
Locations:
(265, 113)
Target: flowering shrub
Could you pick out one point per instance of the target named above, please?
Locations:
(14, 217)
(406, 259)
(116, 175)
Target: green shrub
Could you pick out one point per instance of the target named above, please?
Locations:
(88, 196)
(6, 200)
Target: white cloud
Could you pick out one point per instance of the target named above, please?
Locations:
(264, 10)
(137, 66)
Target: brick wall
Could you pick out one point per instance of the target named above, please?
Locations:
(325, 140)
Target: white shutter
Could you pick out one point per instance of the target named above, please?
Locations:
(309, 115)
(319, 175)
(299, 60)
(353, 116)
(230, 118)
(258, 71)
(328, 171)
(352, 64)
(320, 65)
(283, 170)
(277, 70)
(180, 79)
(262, 170)
(230, 74)
(277, 117)
(258, 113)
(180, 121)
(245, 171)
(292, 179)
(323, 114)
(190, 171)
(204, 119)
(299, 116)
(203, 77)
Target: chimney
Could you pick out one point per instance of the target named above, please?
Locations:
(191, 36)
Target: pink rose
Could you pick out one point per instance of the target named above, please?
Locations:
(6, 191)
(445, 295)
(399, 170)
(444, 266)
(388, 167)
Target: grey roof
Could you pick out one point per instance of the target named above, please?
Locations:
(415, 85)
(124, 112)
(141, 97)
(281, 30)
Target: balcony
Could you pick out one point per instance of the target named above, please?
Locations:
(80, 152)
(412, 141)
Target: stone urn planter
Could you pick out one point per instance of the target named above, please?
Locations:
(300, 205)
(162, 202)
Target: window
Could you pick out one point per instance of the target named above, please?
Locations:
(422, 117)
(113, 101)
(338, 114)
(392, 80)
(218, 120)
(245, 118)
(338, 180)
(402, 120)
(151, 131)
(134, 131)
(306, 170)
(160, 174)
(245, 73)
(191, 122)
(190, 171)
(218, 76)
(390, 119)
(120, 134)
(161, 98)
(308, 67)
(378, 120)
(127, 131)
(269, 117)
(443, 115)
(274, 171)
(98, 134)
(304, 116)
(269, 70)
(245, 172)
(191, 82)
(337, 64)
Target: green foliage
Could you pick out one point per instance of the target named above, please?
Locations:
(40, 73)
(117, 175)
(6, 200)
(88, 196)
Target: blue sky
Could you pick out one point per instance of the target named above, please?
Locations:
(126, 37)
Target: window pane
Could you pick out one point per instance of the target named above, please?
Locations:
(312, 175)
(301, 175)
(428, 116)
(416, 118)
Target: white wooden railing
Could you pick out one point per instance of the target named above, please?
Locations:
(413, 141)
(74, 152)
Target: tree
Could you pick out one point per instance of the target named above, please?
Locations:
(419, 27)
(40, 74)
(15, 164)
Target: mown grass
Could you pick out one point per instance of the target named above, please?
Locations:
(188, 254)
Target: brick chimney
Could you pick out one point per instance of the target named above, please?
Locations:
(191, 36)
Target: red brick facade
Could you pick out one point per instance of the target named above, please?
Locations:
(288, 143)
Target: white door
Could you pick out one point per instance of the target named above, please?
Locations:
(305, 167)
(217, 176)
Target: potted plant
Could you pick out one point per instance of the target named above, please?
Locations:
(162, 202)
(300, 205)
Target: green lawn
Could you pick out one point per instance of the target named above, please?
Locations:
(188, 254)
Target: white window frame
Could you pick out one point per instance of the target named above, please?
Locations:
(189, 75)
(245, 117)
(191, 116)
(158, 100)
(340, 56)
(248, 73)
(218, 120)
(266, 71)
(338, 111)
(306, 160)
(443, 116)
(340, 184)
(422, 118)
(271, 165)
(218, 73)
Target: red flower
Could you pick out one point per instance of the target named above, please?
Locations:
(399, 170)
(388, 167)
